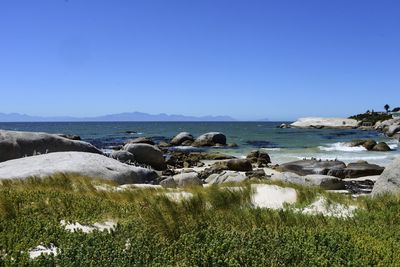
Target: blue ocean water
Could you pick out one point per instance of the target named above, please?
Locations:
(283, 145)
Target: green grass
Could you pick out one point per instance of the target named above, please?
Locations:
(217, 227)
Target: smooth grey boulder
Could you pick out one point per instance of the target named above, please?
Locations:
(226, 177)
(169, 182)
(141, 140)
(324, 181)
(14, 145)
(389, 181)
(357, 169)
(148, 155)
(187, 179)
(71, 136)
(240, 165)
(310, 166)
(210, 139)
(181, 138)
(368, 144)
(80, 163)
(382, 146)
(392, 130)
(123, 156)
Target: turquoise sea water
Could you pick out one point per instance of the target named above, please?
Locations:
(283, 145)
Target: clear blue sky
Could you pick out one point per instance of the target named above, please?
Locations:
(248, 59)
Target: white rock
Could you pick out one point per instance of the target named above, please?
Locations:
(80, 163)
(272, 196)
(42, 250)
(104, 226)
(178, 196)
(325, 122)
(322, 207)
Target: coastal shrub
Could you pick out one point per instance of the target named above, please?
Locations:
(372, 117)
(216, 227)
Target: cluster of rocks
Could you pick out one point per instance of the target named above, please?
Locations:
(25, 154)
(370, 145)
(331, 168)
(390, 128)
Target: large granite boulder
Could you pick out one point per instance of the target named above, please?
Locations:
(210, 139)
(187, 179)
(148, 155)
(389, 181)
(123, 156)
(80, 163)
(182, 138)
(382, 146)
(324, 181)
(141, 140)
(357, 169)
(392, 130)
(240, 165)
(368, 144)
(15, 145)
(226, 177)
(310, 166)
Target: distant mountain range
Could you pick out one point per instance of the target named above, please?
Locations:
(128, 116)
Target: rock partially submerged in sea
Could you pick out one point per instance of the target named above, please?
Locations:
(210, 139)
(310, 166)
(324, 181)
(148, 155)
(182, 139)
(319, 123)
(79, 163)
(370, 145)
(389, 181)
(15, 145)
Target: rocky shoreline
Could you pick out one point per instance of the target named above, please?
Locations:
(175, 164)
(389, 127)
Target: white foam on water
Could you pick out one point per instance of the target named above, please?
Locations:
(271, 148)
(341, 146)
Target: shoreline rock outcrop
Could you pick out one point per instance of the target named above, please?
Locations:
(79, 163)
(14, 145)
(319, 123)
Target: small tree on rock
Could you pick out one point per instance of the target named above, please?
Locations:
(387, 107)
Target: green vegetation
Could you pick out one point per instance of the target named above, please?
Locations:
(372, 117)
(216, 227)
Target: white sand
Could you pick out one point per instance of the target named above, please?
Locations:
(39, 250)
(104, 226)
(322, 207)
(272, 196)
